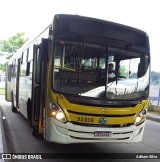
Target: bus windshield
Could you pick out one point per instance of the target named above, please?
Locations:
(97, 71)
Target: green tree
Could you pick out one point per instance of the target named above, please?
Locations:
(123, 71)
(3, 67)
(155, 78)
(12, 44)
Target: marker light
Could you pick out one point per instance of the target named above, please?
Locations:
(141, 117)
(53, 113)
(56, 112)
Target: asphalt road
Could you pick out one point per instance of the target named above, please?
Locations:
(17, 135)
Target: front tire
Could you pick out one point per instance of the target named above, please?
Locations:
(35, 133)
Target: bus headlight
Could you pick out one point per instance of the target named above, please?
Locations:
(141, 117)
(56, 112)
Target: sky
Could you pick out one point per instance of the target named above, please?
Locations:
(33, 16)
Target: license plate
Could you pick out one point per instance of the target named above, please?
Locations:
(102, 134)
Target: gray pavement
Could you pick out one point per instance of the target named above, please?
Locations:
(1, 140)
(153, 116)
(150, 116)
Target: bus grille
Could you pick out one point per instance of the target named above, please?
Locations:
(103, 126)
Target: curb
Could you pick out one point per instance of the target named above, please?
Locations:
(153, 119)
(1, 139)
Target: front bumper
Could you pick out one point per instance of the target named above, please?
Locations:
(71, 133)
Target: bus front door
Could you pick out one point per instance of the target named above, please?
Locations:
(38, 88)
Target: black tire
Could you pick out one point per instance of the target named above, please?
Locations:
(35, 133)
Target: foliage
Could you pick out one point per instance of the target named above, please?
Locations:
(123, 71)
(133, 75)
(3, 67)
(2, 91)
(12, 44)
(155, 78)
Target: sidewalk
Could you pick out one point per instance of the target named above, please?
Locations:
(153, 116)
(1, 140)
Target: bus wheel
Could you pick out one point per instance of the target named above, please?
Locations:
(35, 133)
(14, 109)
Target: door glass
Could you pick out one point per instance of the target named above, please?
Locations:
(37, 65)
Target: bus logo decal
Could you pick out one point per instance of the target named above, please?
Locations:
(102, 120)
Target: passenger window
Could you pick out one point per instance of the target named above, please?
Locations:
(23, 70)
(25, 56)
(30, 53)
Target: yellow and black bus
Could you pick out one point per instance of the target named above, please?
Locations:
(82, 80)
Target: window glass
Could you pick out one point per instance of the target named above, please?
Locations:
(88, 70)
(30, 53)
(25, 56)
(38, 65)
(23, 70)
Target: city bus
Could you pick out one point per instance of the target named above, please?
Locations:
(62, 81)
